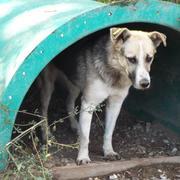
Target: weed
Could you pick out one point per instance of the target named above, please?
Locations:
(111, 1)
(26, 159)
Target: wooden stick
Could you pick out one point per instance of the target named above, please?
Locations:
(104, 168)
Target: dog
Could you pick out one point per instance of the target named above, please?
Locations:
(105, 70)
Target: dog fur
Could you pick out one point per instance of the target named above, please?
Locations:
(105, 70)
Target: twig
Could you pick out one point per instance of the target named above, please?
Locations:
(25, 132)
(66, 145)
(24, 125)
(31, 114)
(12, 157)
(99, 120)
(38, 157)
(60, 120)
(14, 144)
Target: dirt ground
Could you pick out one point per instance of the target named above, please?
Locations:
(133, 138)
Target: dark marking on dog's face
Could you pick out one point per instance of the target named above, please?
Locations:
(137, 51)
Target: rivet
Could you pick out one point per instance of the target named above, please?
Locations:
(24, 73)
(41, 52)
(10, 97)
(110, 14)
(62, 35)
(85, 22)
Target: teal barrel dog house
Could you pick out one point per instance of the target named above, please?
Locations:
(34, 32)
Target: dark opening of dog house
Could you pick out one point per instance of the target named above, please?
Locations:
(77, 74)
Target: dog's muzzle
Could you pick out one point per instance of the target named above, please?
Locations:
(144, 83)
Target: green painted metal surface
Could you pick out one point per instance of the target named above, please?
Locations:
(33, 32)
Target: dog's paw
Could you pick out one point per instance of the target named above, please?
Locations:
(81, 161)
(112, 156)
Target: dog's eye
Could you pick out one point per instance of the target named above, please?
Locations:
(132, 60)
(148, 59)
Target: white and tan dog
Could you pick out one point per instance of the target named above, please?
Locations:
(105, 70)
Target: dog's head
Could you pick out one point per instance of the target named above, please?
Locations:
(136, 50)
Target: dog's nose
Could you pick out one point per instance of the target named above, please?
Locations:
(144, 83)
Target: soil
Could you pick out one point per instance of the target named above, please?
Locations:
(133, 138)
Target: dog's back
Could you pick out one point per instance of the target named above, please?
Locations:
(79, 61)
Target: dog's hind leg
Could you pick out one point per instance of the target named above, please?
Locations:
(46, 83)
(71, 99)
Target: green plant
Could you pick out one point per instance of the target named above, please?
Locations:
(26, 159)
(110, 1)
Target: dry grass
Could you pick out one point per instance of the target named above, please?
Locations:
(27, 160)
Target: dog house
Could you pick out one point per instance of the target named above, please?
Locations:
(34, 32)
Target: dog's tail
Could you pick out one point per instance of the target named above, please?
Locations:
(63, 80)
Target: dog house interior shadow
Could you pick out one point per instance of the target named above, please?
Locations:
(161, 102)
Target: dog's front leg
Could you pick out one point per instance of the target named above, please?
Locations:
(85, 118)
(87, 108)
(113, 108)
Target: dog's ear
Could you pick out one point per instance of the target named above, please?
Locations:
(117, 34)
(157, 38)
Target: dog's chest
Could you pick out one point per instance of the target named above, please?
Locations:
(105, 90)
